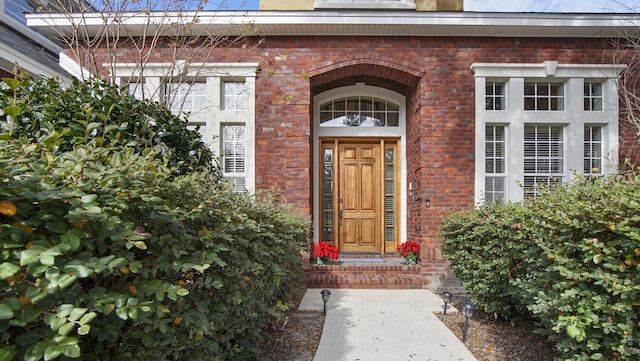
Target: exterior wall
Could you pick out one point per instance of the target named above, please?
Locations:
(421, 5)
(440, 111)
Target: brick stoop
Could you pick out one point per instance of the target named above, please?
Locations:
(392, 274)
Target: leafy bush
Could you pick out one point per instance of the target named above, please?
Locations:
(483, 247)
(571, 256)
(586, 294)
(108, 253)
(102, 113)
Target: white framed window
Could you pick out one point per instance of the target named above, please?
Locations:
(234, 155)
(235, 95)
(186, 96)
(549, 134)
(494, 162)
(593, 149)
(543, 96)
(495, 98)
(592, 96)
(203, 102)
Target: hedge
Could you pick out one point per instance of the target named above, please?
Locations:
(571, 256)
(114, 251)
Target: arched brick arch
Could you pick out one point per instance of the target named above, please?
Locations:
(391, 75)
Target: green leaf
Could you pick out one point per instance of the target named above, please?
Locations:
(71, 239)
(72, 351)
(7, 353)
(66, 328)
(88, 317)
(12, 110)
(140, 244)
(77, 313)
(56, 227)
(8, 269)
(84, 330)
(122, 313)
(52, 352)
(12, 83)
(5, 312)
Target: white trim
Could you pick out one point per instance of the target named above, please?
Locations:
(402, 22)
(73, 67)
(352, 132)
(35, 68)
(573, 117)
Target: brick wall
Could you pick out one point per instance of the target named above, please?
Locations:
(432, 72)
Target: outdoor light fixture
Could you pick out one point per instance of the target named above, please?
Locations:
(427, 203)
(467, 311)
(325, 298)
(446, 297)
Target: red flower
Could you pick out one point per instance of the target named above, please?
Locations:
(409, 249)
(325, 251)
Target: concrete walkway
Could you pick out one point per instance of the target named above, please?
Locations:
(384, 325)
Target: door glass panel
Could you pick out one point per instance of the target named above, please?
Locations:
(327, 196)
(389, 194)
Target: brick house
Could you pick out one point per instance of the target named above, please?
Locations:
(376, 118)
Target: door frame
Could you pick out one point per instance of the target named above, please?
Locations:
(337, 206)
(397, 134)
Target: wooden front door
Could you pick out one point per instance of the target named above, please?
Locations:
(358, 194)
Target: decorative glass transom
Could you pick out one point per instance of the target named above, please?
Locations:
(359, 111)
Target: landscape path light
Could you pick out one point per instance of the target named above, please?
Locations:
(446, 297)
(325, 298)
(467, 311)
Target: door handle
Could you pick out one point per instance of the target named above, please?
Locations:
(340, 213)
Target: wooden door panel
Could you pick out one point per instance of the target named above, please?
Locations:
(368, 185)
(360, 193)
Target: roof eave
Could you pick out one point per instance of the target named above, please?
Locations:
(352, 23)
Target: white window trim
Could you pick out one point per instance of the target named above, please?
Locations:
(214, 73)
(573, 117)
(353, 132)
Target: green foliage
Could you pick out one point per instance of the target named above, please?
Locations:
(578, 251)
(483, 249)
(102, 113)
(586, 293)
(108, 252)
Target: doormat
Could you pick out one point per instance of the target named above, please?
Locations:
(362, 260)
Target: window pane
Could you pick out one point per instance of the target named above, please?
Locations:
(235, 95)
(592, 150)
(359, 112)
(543, 158)
(543, 96)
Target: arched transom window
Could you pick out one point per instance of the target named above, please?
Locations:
(359, 111)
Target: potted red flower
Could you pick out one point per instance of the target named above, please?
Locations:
(325, 252)
(410, 251)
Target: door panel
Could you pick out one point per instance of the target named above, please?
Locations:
(360, 194)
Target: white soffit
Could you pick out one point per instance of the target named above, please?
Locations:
(354, 23)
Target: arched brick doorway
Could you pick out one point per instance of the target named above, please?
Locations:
(360, 166)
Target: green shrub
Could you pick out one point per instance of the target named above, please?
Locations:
(109, 252)
(586, 288)
(102, 113)
(483, 247)
(571, 256)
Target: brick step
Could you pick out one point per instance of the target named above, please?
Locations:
(393, 273)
